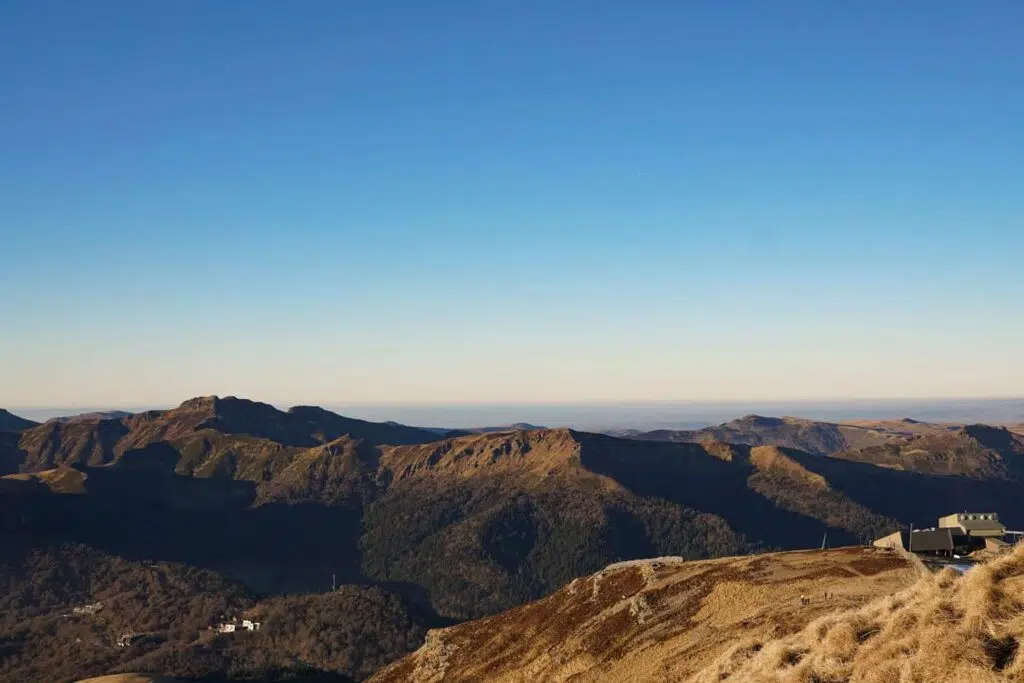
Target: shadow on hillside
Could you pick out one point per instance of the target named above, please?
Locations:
(417, 599)
(686, 474)
(149, 514)
(11, 453)
(918, 498)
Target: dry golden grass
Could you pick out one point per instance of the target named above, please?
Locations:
(771, 457)
(944, 628)
(58, 480)
(661, 620)
(742, 620)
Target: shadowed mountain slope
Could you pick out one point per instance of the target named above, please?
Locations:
(469, 526)
(9, 422)
(487, 521)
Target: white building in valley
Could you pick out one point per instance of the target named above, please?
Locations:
(234, 627)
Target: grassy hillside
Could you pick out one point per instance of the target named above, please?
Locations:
(945, 628)
(853, 615)
(652, 620)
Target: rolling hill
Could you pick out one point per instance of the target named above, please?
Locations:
(858, 615)
(810, 436)
(659, 619)
(976, 451)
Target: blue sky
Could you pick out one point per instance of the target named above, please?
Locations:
(476, 202)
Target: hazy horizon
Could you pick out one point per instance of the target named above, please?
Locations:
(458, 202)
(635, 415)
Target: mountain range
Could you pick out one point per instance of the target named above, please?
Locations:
(465, 526)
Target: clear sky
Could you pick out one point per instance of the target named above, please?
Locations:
(345, 202)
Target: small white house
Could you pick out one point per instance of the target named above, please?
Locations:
(232, 627)
(92, 608)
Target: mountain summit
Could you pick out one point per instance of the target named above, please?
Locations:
(199, 427)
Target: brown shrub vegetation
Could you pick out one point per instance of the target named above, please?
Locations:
(339, 636)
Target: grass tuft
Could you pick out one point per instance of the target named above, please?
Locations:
(946, 628)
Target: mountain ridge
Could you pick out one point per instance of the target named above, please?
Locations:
(9, 422)
(469, 525)
(977, 451)
(102, 440)
(812, 436)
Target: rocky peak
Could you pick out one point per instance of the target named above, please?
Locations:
(200, 403)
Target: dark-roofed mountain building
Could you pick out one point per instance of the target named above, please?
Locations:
(958, 533)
